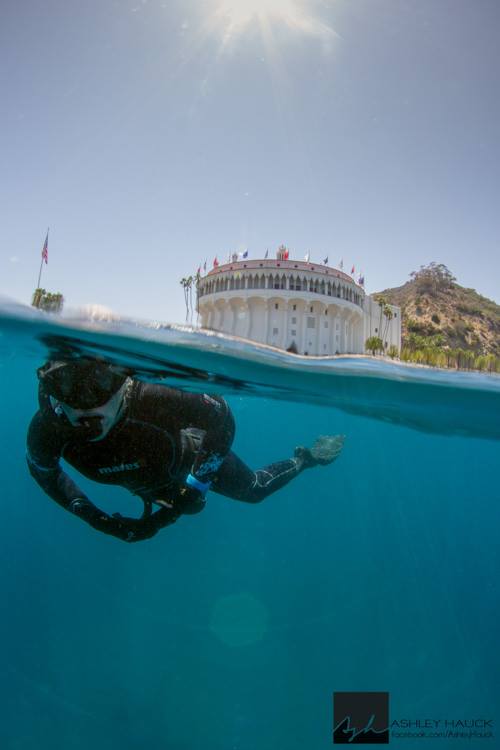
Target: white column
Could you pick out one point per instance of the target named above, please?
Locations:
(303, 329)
(218, 317)
(350, 333)
(286, 323)
(248, 321)
(331, 339)
(228, 318)
(342, 347)
(266, 322)
(355, 342)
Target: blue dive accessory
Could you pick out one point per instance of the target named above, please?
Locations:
(202, 487)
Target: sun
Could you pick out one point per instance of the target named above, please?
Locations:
(233, 17)
(241, 12)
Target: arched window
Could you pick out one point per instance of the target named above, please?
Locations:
(329, 289)
(263, 282)
(283, 281)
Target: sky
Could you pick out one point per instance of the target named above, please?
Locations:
(152, 135)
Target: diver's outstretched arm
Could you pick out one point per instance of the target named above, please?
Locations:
(61, 488)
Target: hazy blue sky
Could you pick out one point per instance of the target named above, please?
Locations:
(152, 134)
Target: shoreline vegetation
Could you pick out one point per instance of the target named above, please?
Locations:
(437, 357)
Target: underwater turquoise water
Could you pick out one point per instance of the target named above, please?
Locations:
(232, 629)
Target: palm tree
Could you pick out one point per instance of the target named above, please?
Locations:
(374, 344)
(388, 314)
(184, 283)
(382, 301)
(48, 301)
(190, 281)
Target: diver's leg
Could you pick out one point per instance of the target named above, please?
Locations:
(236, 480)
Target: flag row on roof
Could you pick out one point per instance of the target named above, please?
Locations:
(283, 253)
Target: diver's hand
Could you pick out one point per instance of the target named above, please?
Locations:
(188, 501)
(131, 529)
(126, 529)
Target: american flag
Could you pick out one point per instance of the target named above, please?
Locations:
(45, 250)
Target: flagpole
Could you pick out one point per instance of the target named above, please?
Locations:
(41, 262)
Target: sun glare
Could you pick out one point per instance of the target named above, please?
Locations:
(233, 16)
(241, 12)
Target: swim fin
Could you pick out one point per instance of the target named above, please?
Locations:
(325, 450)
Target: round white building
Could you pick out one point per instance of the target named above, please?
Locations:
(290, 304)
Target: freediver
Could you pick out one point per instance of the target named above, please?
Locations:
(167, 446)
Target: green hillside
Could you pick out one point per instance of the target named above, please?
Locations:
(440, 316)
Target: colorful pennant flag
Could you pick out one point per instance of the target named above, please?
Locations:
(307, 257)
(216, 262)
(326, 261)
(341, 264)
(266, 256)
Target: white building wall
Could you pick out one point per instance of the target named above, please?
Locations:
(329, 314)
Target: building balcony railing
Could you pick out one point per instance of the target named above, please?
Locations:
(269, 285)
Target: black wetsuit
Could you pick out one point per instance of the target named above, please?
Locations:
(162, 436)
